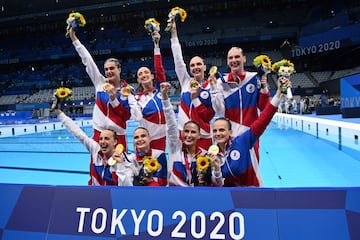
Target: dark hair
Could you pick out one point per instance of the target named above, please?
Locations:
(115, 60)
(193, 122)
(114, 134)
(203, 61)
(226, 120)
(142, 129)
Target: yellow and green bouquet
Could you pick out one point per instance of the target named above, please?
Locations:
(151, 25)
(63, 93)
(60, 94)
(151, 165)
(284, 68)
(74, 20)
(174, 14)
(262, 64)
(203, 164)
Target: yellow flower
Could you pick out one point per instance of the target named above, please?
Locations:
(151, 165)
(183, 14)
(82, 21)
(264, 61)
(180, 11)
(72, 23)
(283, 64)
(202, 163)
(152, 25)
(63, 93)
(77, 15)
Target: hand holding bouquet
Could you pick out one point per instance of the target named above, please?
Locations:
(263, 67)
(151, 25)
(74, 21)
(284, 69)
(262, 64)
(61, 94)
(174, 14)
(150, 166)
(203, 163)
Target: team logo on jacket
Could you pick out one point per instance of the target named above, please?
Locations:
(204, 94)
(159, 95)
(235, 155)
(250, 88)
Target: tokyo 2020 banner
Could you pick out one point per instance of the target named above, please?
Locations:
(55, 212)
(350, 91)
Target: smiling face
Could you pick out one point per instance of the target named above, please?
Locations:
(236, 60)
(142, 140)
(190, 134)
(197, 68)
(145, 77)
(107, 142)
(221, 131)
(112, 71)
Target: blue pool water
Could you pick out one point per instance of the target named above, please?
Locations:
(289, 158)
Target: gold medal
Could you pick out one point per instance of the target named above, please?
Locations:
(106, 86)
(194, 84)
(126, 91)
(119, 148)
(213, 70)
(213, 149)
(111, 161)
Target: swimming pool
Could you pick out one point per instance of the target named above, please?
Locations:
(289, 158)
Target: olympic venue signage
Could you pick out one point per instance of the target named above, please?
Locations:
(62, 212)
(316, 48)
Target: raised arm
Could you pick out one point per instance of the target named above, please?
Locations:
(245, 141)
(259, 126)
(90, 66)
(75, 130)
(180, 66)
(172, 130)
(159, 68)
(172, 137)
